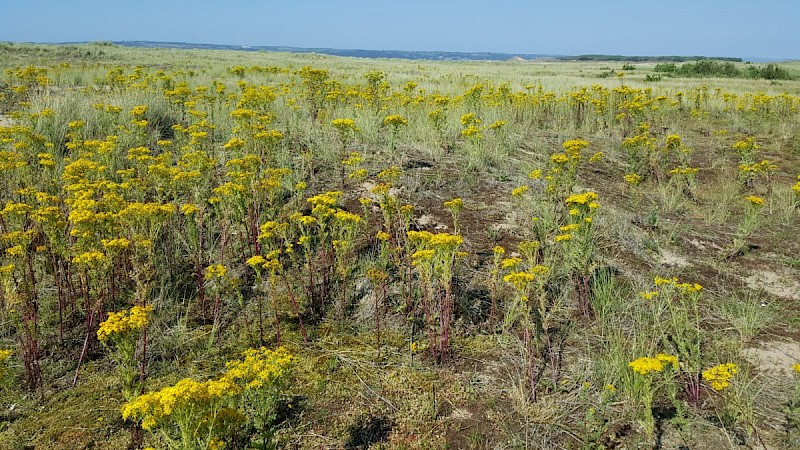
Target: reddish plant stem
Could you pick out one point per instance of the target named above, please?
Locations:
(296, 307)
(277, 328)
(89, 325)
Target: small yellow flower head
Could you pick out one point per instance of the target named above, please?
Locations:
(344, 125)
(668, 360)
(574, 145)
(645, 365)
(454, 205)
(377, 276)
(597, 157)
(90, 259)
(188, 209)
(519, 191)
(215, 271)
(510, 263)
(535, 174)
(4, 355)
(649, 295)
(796, 368)
(422, 256)
(470, 119)
(755, 201)
(234, 143)
(256, 261)
(498, 250)
(395, 121)
(586, 199)
(563, 237)
(122, 323)
(497, 125)
(661, 281)
(633, 179)
(719, 377)
(673, 141)
(472, 132)
(559, 158)
(382, 236)
(520, 280)
(138, 111)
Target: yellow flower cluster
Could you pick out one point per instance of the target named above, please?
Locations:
(686, 288)
(668, 360)
(344, 125)
(519, 191)
(91, 258)
(586, 199)
(754, 200)
(4, 355)
(260, 368)
(454, 205)
(185, 397)
(649, 295)
(574, 146)
(719, 377)
(215, 271)
(646, 365)
(520, 280)
(123, 322)
(395, 121)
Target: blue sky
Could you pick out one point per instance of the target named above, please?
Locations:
(767, 28)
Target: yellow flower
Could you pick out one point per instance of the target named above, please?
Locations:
(138, 111)
(719, 377)
(91, 258)
(395, 121)
(256, 261)
(215, 271)
(344, 125)
(520, 280)
(755, 201)
(649, 295)
(123, 322)
(633, 179)
(510, 263)
(574, 145)
(454, 205)
(668, 359)
(519, 191)
(645, 365)
(188, 209)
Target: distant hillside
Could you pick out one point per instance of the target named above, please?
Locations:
(358, 53)
(432, 55)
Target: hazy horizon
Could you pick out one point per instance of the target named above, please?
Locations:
(733, 28)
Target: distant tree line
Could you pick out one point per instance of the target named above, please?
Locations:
(724, 69)
(647, 58)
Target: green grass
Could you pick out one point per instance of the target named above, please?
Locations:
(345, 389)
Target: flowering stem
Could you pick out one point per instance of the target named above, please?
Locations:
(295, 307)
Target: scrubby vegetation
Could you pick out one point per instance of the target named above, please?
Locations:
(206, 249)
